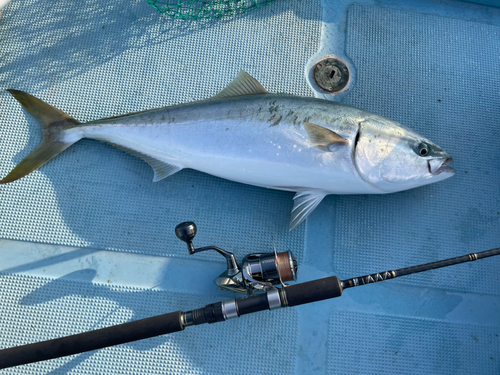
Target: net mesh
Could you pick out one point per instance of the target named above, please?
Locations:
(206, 9)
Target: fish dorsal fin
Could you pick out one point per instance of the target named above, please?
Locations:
(304, 202)
(323, 138)
(243, 84)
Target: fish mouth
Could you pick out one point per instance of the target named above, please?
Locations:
(438, 166)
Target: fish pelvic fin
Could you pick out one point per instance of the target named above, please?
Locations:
(304, 202)
(54, 123)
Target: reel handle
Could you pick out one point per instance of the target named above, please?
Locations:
(187, 231)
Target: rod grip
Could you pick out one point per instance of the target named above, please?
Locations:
(252, 304)
(87, 341)
(312, 291)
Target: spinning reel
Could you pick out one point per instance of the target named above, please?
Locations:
(259, 272)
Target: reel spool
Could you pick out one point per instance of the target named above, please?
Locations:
(259, 272)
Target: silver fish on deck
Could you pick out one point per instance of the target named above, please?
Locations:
(309, 146)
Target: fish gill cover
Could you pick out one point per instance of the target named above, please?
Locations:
(207, 9)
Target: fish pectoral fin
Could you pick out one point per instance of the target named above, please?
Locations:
(323, 138)
(243, 84)
(161, 169)
(304, 202)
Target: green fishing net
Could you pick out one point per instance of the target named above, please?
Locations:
(206, 9)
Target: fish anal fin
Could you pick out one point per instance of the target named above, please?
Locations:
(243, 84)
(323, 138)
(161, 168)
(304, 202)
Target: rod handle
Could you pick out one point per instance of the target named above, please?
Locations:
(87, 341)
(312, 291)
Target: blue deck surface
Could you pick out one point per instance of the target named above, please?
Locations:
(87, 241)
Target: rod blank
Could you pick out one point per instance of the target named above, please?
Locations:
(386, 275)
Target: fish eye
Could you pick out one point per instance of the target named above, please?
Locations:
(423, 149)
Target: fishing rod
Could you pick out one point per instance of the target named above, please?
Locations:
(258, 277)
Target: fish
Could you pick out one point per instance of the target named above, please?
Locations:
(313, 147)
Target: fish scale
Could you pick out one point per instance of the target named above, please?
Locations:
(242, 141)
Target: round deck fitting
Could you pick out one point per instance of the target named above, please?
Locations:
(331, 74)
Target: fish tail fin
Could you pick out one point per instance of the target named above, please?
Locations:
(54, 123)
